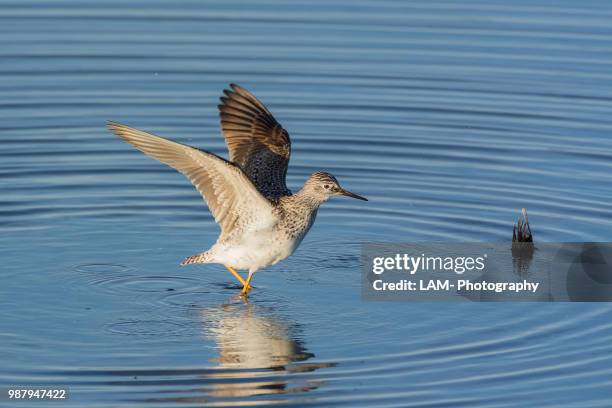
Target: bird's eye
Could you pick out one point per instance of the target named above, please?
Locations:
(326, 186)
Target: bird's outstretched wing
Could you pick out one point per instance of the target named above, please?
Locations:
(231, 196)
(256, 141)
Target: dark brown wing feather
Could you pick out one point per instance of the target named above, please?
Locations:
(256, 141)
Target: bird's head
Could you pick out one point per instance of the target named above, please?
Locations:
(324, 185)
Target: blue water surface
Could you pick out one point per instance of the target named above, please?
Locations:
(449, 116)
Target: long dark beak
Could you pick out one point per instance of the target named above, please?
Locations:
(349, 194)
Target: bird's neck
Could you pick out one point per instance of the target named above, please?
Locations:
(300, 211)
(307, 197)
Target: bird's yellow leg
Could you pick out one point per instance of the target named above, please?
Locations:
(247, 286)
(236, 274)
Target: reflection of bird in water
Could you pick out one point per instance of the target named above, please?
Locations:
(246, 339)
(249, 340)
(261, 222)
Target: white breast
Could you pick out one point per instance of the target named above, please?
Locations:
(268, 243)
(257, 249)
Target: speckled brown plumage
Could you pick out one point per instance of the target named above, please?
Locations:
(261, 222)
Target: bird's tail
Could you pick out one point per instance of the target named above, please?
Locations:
(203, 257)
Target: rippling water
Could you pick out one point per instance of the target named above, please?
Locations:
(449, 116)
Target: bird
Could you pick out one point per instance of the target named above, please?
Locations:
(262, 222)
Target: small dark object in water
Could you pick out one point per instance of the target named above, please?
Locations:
(521, 231)
(522, 245)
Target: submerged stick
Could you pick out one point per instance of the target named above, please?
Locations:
(521, 231)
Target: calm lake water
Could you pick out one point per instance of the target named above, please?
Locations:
(450, 116)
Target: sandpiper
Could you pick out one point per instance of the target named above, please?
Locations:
(261, 221)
